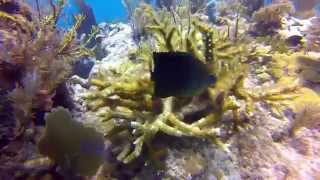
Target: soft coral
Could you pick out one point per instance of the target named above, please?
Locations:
(35, 57)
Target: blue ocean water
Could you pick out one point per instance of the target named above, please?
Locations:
(267, 2)
(110, 11)
(105, 10)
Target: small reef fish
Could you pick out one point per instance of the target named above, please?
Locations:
(179, 74)
(294, 40)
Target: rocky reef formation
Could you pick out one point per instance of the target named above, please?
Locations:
(313, 34)
(35, 59)
(269, 19)
(262, 145)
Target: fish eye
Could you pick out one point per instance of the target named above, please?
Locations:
(212, 80)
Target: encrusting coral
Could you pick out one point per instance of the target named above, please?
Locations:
(35, 57)
(128, 112)
(269, 19)
(297, 70)
(309, 68)
(307, 108)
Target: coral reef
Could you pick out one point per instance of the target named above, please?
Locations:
(295, 65)
(313, 35)
(138, 21)
(259, 121)
(271, 158)
(126, 106)
(269, 19)
(35, 58)
(307, 116)
(116, 43)
(309, 68)
(252, 6)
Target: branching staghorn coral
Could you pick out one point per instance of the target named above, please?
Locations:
(231, 67)
(38, 55)
(131, 117)
(89, 21)
(295, 66)
(276, 43)
(127, 103)
(292, 72)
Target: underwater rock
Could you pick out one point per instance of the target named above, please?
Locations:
(269, 19)
(78, 88)
(313, 34)
(7, 122)
(117, 42)
(294, 27)
(263, 157)
(252, 5)
(83, 68)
